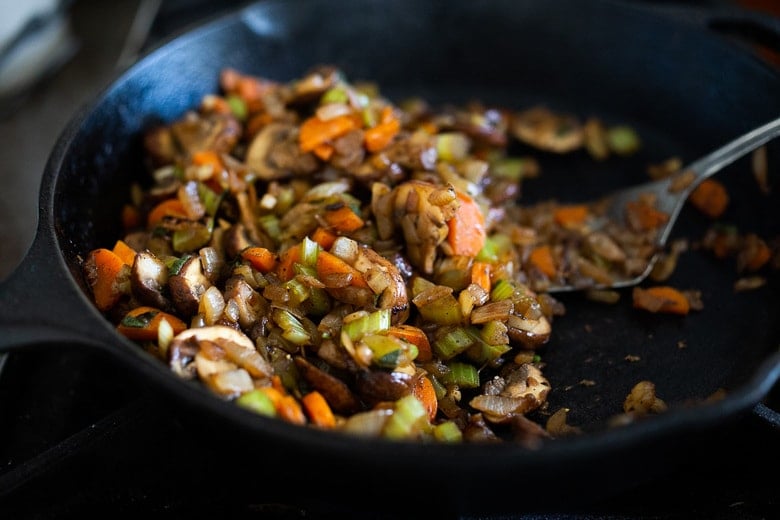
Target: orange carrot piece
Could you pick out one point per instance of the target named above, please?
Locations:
(103, 269)
(571, 215)
(644, 216)
(314, 131)
(324, 151)
(423, 390)
(166, 208)
(261, 258)
(208, 158)
(329, 264)
(378, 137)
(286, 266)
(318, 410)
(290, 410)
(131, 217)
(125, 252)
(541, 257)
(150, 331)
(466, 235)
(710, 197)
(661, 298)
(756, 252)
(417, 337)
(343, 219)
(324, 237)
(480, 274)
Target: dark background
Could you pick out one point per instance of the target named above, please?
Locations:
(73, 442)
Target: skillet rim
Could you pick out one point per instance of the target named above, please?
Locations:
(675, 421)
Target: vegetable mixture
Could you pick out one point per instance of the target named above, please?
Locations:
(313, 252)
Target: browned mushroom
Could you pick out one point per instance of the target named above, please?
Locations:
(274, 153)
(187, 286)
(148, 277)
(546, 130)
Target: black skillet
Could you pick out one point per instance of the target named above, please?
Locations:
(685, 90)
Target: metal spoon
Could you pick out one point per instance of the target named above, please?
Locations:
(670, 195)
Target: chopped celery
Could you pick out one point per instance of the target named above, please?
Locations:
(444, 311)
(377, 321)
(408, 419)
(309, 251)
(464, 375)
(334, 95)
(439, 388)
(502, 290)
(510, 168)
(258, 402)
(622, 140)
(237, 106)
(387, 351)
(293, 330)
(453, 343)
(270, 224)
(190, 238)
(452, 146)
(496, 246)
(211, 199)
(447, 431)
(298, 291)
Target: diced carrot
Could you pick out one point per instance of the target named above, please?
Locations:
(343, 219)
(710, 197)
(104, 269)
(541, 257)
(318, 410)
(149, 331)
(208, 158)
(466, 235)
(571, 215)
(314, 131)
(423, 390)
(661, 298)
(249, 88)
(125, 252)
(415, 336)
(290, 410)
(287, 260)
(378, 137)
(261, 258)
(131, 217)
(644, 217)
(756, 253)
(429, 127)
(480, 274)
(324, 237)
(286, 405)
(324, 151)
(329, 264)
(166, 208)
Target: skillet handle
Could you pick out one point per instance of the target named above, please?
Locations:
(42, 306)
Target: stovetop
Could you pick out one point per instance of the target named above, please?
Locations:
(77, 435)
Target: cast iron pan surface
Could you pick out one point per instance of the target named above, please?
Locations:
(683, 88)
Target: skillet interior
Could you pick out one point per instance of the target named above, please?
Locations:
(684, 90)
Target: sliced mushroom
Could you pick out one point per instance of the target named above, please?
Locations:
(546, 130)
(422, 210)
(531, 333)
(274, 153)
(148, 277)
(377, 386)
(188, 286)
(335, 391)
(213, 131)
(237, 348)
(522, 389)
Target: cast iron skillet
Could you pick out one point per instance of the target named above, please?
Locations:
(682, 87)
